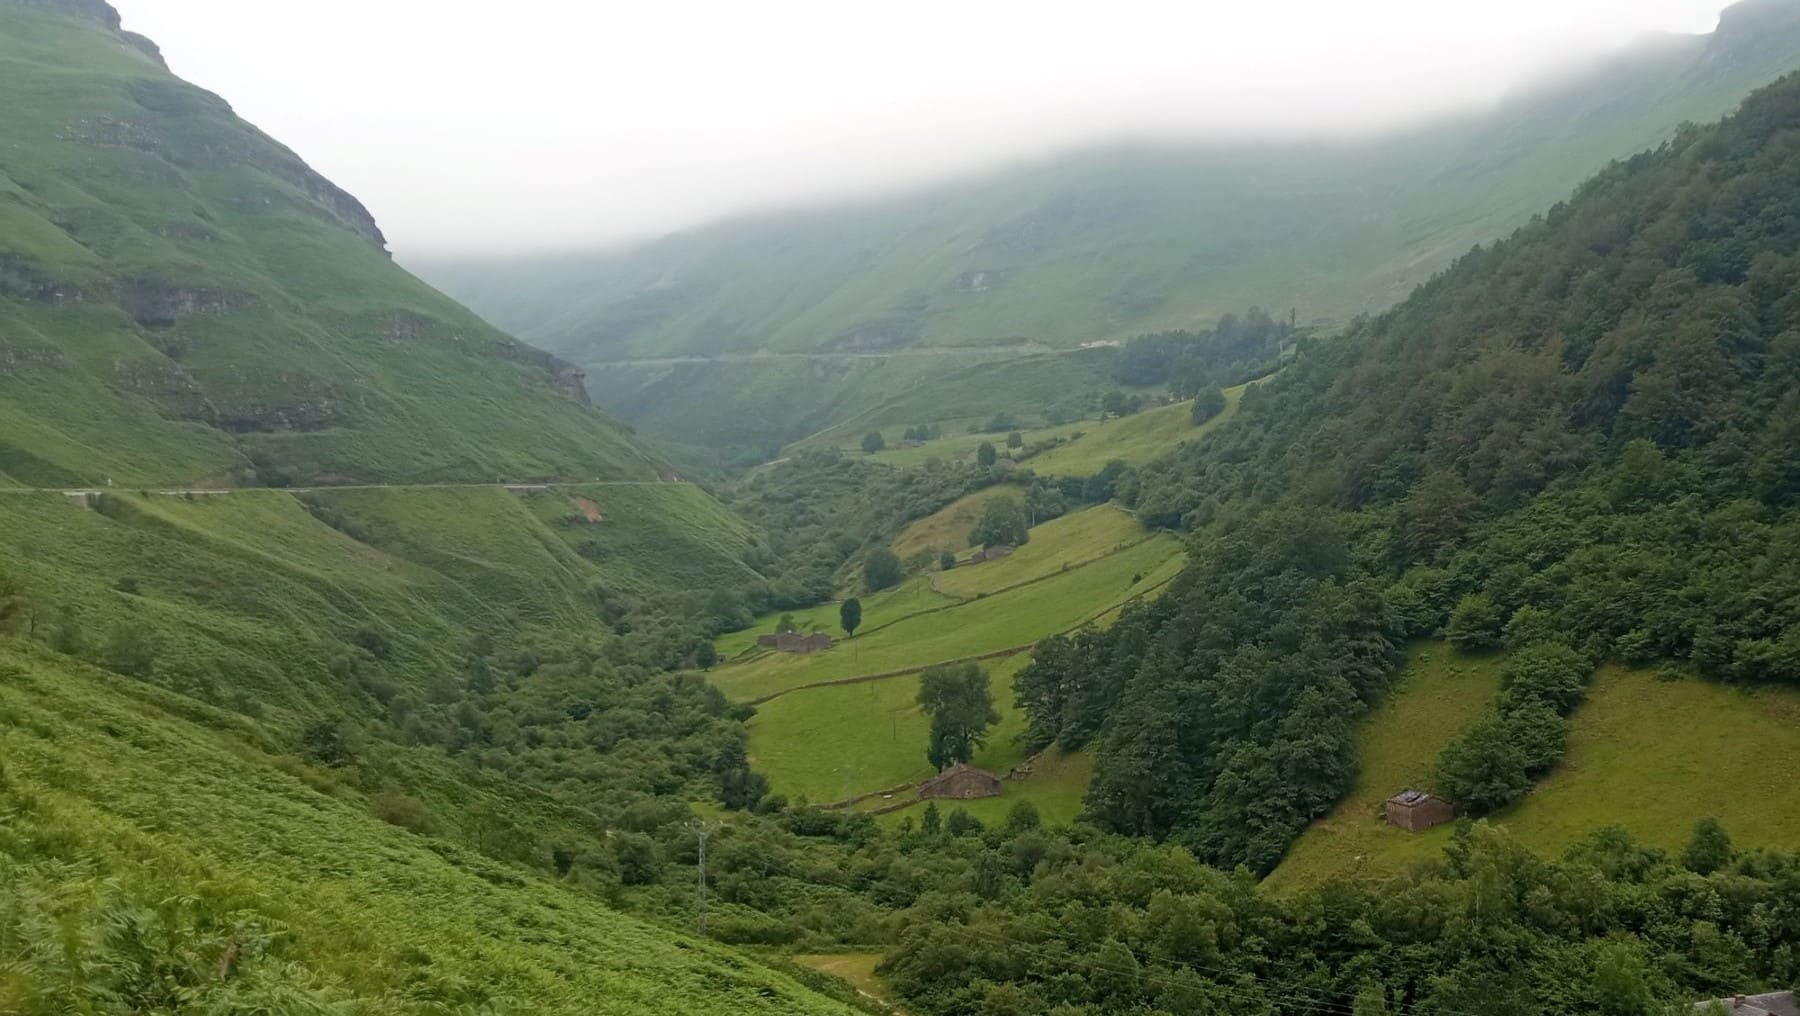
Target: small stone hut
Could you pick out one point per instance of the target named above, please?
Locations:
(794, 642)
(960, 782)
(1416, 811)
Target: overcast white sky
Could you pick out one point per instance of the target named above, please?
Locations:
(532, 124)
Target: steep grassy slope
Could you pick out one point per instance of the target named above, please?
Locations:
(182, 300)
(255, 597)
(1057, 546)
(1108, 243)
(1135, 440)
(948, 528)
(1652, 757)
(156, 851)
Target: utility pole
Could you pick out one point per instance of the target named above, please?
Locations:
(701, 830)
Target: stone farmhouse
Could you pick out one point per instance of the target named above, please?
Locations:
(794, 642)
(1416, 811)
(960, 782)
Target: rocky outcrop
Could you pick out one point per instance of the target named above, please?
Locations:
(155, 303)
(97, 11)
(165, 383)
(306, 403)
(20, 279)
(1750, 33)
(143, 45)
(571, 381)
(565, 377)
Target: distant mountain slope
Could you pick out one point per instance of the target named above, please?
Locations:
(1583, 440)
(183, 300)
(1110, 243)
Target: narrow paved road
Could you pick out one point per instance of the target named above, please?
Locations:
(1016, 349)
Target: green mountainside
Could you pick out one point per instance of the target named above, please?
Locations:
(1583, 436)
(473, 749)
(1113, 242)
(184, 302)
(1098, 245)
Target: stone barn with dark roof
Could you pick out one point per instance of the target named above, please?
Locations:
(960, 782)
(1416, 811)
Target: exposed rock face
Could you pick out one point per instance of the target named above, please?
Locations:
(22, 279)
(565, 377)
(93, 10)
(143, 45)
(154, 303)
(1748, 32)
(571, 381)
(306, 403)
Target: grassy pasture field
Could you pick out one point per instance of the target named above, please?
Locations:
(829, 742)
(826, 743)
(913, 596)
(862, 738)
(948, 528)
(1064, 543)
(1650, 756)
(651, 536)
(956, 444)
(1015, 618)
(1134, 439)
(1071, 541)
(1439, 694)
(1057, 788)
(1090, 444)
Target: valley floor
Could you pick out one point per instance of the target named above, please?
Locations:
(846, 724)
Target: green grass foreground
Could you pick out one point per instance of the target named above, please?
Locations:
(138, 820)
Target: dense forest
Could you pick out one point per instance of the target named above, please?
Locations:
(1594, 420)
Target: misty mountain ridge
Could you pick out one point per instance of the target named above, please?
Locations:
(1100, 245)
(1114, 241)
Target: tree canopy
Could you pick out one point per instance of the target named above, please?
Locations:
(961, 706)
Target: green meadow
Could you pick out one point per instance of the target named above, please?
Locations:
(849, 740)
(1081, 448)
(1134, 439)
(1439, 694)
(827, 744)
(1056, 546)
(1012, 619)
(948, 528)
(1648, 755)
(913, 596)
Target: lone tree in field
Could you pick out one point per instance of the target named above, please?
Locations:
(873, 442)
(961, 706)
(881, 570)
(850, 616)
(985, 455)
(1209, 403)
(1015, 440)
(1002, 522)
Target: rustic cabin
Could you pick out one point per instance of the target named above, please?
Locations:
(960, 782)
(1416, 811)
